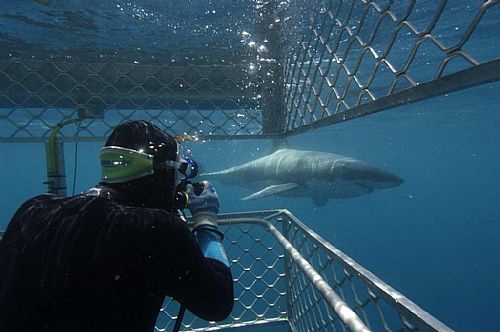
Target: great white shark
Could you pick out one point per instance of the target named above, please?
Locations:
(302, 173)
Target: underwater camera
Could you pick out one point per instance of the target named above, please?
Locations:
(188, 170)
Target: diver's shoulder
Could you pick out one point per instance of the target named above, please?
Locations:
(40, 199)
(35, 205)
(122, 207)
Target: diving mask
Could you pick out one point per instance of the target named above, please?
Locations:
(122, 164)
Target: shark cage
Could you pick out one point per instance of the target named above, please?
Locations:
(297, 66)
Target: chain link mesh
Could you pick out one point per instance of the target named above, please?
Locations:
(271, 288)
(352, 53)
(337, 57)
(200, 100)
(309, 310)
(259, 282)
(348, 54)
(379, 306)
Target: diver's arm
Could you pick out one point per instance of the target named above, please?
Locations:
(192, 266)
(204, 285)
(204, 208)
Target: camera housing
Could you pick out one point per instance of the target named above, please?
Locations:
(181, 199)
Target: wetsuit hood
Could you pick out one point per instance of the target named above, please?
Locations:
(155, 190)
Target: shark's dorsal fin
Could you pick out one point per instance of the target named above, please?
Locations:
(279, 143)
(271, 190)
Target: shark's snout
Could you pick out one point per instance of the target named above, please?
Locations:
(361, 172)
(390, 180)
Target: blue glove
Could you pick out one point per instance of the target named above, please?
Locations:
(205, 207)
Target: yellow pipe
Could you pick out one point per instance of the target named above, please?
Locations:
(52, 142)
(53, 139)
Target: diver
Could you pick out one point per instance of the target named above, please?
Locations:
(104, 260)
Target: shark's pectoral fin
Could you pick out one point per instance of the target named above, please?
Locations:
(271, 190)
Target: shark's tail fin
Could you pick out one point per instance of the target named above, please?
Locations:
(279, 143)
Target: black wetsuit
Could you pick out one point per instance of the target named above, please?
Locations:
(87, 263)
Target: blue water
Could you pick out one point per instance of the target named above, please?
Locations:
(122, 30)
(434, 238)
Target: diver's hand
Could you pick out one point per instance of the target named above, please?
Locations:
(205, 207)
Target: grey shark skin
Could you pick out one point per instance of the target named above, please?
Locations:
(301, 173)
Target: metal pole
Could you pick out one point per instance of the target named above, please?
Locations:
(56, 173)
(271, 69)
(346, 315)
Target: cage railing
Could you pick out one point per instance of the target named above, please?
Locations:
(288, 276)
(354, 58)
(202, 100)
(325, 61)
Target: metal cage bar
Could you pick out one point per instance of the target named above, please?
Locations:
(287, 276)
(325, 61)
(306, 284)
(355, 58)
(203, 100)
